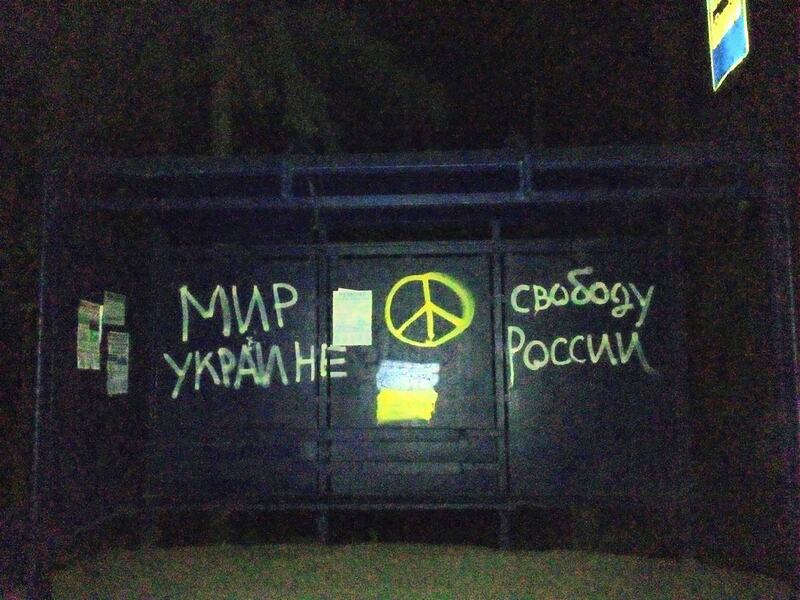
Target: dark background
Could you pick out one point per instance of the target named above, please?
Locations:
(147, 78)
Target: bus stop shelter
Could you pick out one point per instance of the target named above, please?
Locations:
(596, 327)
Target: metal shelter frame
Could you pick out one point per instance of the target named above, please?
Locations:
(485, 181)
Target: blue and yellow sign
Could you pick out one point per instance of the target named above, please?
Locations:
(728, 42)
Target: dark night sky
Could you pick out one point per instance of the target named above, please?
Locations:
(599, 73)
(514, 73)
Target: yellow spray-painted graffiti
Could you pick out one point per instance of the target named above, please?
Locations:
(430, 309)
(406, 391)
(405, 405)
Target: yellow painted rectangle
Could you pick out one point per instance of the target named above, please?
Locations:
(405, 405)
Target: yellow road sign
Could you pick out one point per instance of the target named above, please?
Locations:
(728, 42)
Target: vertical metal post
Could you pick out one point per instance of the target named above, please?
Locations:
(526, 175)
(683, 487)
(39, 584)
(504, 529)
(784, 347)
(149, 529)
(324, 265)
(323, 526)
(501, 423)
(287, 177)
(585, 533)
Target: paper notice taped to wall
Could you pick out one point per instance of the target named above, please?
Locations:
(352, 317)
(117, 367)
(90, 332)
(114, 309)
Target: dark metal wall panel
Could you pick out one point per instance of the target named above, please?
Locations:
(465, 387)
(202, 404)
(415, 464)
(448, 445)
(97, 460)
(445, 481)
(257, 422)
(455, 452)
(282, 464)
(744, 437)
(594, 395)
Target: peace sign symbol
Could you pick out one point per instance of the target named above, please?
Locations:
(429, 309)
